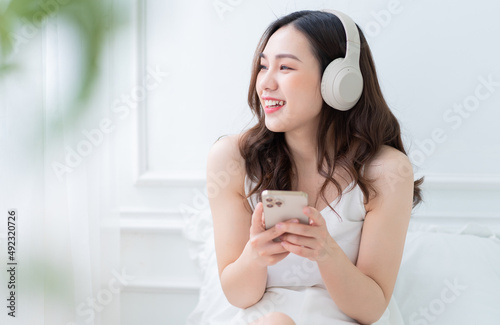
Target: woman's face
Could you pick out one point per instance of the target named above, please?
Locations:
(288, 83)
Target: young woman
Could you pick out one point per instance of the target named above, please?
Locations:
(341, 267)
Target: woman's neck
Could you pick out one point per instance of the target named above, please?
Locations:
(303, 145)
(304, 149)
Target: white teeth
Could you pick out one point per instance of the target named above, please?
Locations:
(274, 102)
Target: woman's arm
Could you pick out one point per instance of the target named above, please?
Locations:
(363, 291)
(243, 248)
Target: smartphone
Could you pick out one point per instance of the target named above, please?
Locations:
(283, 205)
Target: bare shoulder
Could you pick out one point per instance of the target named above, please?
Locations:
(225, 150)
(225, 164)
(392, 176)
(389, 163)
(226, 145)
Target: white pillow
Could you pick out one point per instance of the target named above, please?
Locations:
(450, 278)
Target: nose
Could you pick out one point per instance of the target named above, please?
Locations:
(267, 80)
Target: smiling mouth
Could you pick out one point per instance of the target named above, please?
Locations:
(271, 106)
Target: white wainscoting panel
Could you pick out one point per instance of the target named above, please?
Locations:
(166, 281)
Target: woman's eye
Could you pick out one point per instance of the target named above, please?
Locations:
(284, 67)
(262, 67)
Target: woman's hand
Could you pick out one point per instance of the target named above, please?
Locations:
(265, 251)
(312, 241)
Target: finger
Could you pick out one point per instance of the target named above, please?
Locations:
(273, 248)
(298, 250)
(298, 240)
(256, 226)
(267, 250)
(271, 233)
(264, 243)
(296, 228)
(315, 218)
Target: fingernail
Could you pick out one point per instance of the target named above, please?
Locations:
(279, 225)
(295, 220)
(307, 210)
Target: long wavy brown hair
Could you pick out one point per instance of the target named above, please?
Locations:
(353, 136)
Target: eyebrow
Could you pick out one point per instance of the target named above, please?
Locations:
(281, 56)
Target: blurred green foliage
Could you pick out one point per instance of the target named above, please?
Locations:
(93, 20)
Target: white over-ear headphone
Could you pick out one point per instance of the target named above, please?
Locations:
(342, 82)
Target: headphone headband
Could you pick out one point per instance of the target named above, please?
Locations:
(353, 45)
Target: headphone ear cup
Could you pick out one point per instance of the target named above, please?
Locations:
(341, 84)
(327, 82)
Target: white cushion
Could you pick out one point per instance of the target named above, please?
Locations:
(450, 277)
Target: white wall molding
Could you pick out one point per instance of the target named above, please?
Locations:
(151, 221)
(148, 285)
(463, 182)
(494, 216)
(144, 177)
(172, 179)
(131, 213)
(458, 219)
(139, 70)
(152, 226)
(456, 223)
